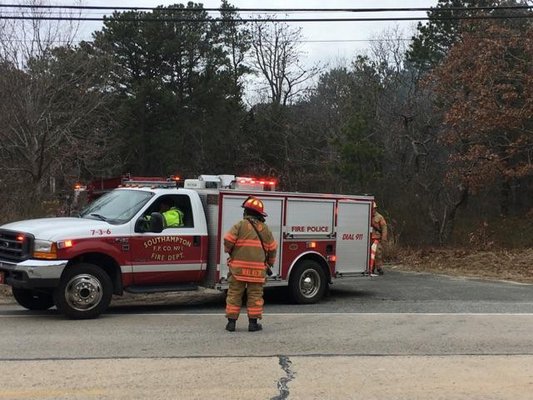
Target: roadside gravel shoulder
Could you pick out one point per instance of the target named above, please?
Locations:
(5, 295)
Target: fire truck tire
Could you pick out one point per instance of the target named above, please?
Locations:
(84, 292)
(307, 283)
(32, 299)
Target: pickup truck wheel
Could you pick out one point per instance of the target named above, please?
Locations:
(32, 299)
(307, 283)
(84, 292)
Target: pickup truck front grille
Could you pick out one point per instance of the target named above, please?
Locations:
(15, 246)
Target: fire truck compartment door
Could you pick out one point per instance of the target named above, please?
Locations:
(353, 231)
(310, 217)
(232, 213)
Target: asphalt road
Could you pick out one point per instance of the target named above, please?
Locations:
(400, 336)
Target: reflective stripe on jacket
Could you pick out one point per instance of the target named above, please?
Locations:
(247, 257)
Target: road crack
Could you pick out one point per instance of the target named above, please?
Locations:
(283, 382)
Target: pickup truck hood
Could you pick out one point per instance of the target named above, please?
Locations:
(61, 228)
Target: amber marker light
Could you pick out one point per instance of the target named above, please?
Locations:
(65, 244)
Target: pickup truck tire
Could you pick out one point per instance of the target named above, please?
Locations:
(307, 283)
(84, 292)
(32, 299)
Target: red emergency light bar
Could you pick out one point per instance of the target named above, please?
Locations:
(151, 181)
(254, 181)
(143, 179)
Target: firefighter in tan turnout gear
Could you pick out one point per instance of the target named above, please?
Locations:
(252, 250)
(379, 234)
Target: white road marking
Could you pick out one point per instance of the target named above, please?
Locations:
(221, 313)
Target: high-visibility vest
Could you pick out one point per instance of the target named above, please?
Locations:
(173, 218)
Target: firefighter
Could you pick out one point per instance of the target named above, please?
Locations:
(252, 251)
(379, 234)
(173, 216)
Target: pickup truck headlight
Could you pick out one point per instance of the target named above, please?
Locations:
(44, 249)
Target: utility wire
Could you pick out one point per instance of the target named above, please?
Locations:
(239, 20)
(267, 10)
(59, 17)
(297, 41)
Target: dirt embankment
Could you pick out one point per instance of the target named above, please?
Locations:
(514, 265)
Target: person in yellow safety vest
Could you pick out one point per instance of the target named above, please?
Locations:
(379, 234)
(252, 251)
(172, 216)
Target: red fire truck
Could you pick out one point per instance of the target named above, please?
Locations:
(77, 263)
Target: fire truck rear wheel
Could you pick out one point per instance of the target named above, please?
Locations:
(307, 283)
(84, 292)
(32, 299)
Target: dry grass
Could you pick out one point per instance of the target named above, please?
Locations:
(5, 293)
(514, 265)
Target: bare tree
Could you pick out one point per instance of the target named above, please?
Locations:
(388, 51)
(24, 39)
(54, 119)
(277, 56)
(415, 162)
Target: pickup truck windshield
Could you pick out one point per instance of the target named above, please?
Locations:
(117, 207)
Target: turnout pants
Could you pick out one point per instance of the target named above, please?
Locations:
(376, 255)
(254, 295)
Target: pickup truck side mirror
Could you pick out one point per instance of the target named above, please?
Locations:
(156, 222)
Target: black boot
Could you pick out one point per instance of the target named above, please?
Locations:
(253, 325)
(230, 326)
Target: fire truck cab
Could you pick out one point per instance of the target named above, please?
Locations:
(118, 243)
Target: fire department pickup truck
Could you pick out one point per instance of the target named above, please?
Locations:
(78, 263)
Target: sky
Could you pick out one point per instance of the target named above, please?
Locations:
(327, 43)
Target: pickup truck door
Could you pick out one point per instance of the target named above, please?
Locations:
(176, 255)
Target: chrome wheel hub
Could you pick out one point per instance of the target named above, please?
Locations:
(309, 283)
(83, 292)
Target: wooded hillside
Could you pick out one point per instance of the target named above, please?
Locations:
(440, 129)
